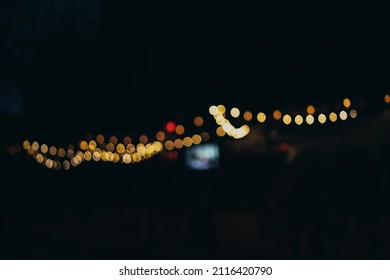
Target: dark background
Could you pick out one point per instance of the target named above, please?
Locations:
(125, 68)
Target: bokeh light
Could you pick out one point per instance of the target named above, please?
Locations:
(261, 117)
(277, 115)
(333, 117)
(347, 103)
(220, 132)
(143, 139)
(179, 129)
(187, 141)
(213, 110)
(170, 127)
(100, 138)
(120, 148)
(309, 119)
(205, 136)
(44, 148)
(196, 139)
(178, 143)
(221, 109)
(160, 136)
(127, 140)
(198, 121)
(387, 98)
(35, 146)
(343, 115)
(248, 116)
(287, 119)
(353, 113)
(322, 118)
(235, 112)
(113, 140)
(310, 110)
(53, 150)
(298, 119)
(169, 145)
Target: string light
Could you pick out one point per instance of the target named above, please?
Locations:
(125, 152)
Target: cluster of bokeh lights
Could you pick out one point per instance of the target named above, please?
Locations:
(170, 138)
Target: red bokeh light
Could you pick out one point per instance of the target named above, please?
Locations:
(170, 127)
(283, 147)
(173, 155)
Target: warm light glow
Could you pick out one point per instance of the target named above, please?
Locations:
(35, 146)
(220, 132)
(169, 145)
(287, 119)
(298, 119)
(92, 145)
(221, 109)
(116, 158)
(347, 102)
(26, 144)
(126, 158)
(30, 150)
(343, 115)
(178, 143)
(227, 127)
(120, 148)
(170, 127)
(110, 156)
(110, 147)
(198, 121)
(196, 139)
(143, 139)
(83, 145)
(141, 149)
(87, 156)
(74, 161)
(235, 112)
(309, 119)
(104, 156)
(157, 146)
(80, 156)
(277, 115)
(353, 113)
(61, 152)
(310, 110)
(130, 148)
(113, 140)
(261, 117)
(66, 165)
(387, 98)
(100, 138)
(39, 158)
(160, 136)
(248, 116)
(127, 140)
(322, 118)
(179, 129)
(205, 136)
(213, 110)
(187, 141)
(44, 148)
(96, 156)
(53, 150)
(49, 163)
(220, 119)
(333, 117)
(70, 153)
